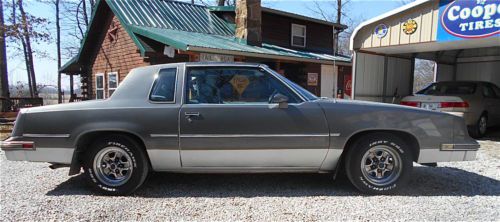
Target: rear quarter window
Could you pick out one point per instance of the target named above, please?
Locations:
(449, 88)
(163, 89)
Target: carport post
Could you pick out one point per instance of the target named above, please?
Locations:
(412, 74)
(384, 84)
(353, 81)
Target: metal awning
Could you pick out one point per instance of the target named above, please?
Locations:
(200, 42)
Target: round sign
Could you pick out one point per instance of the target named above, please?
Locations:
(471, 19)
(381, 30)
(410, 26)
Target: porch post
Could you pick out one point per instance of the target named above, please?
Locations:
(71, 91)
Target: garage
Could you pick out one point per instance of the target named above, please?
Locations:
(461, 37)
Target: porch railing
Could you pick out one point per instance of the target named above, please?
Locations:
(14, 104)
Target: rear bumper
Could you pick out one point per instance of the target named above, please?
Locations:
(449, 153)
(16, 152)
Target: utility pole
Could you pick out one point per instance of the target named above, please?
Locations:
(4, 77)
(337, 31)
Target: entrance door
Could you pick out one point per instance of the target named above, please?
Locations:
(227, 121)
(328, 81)
(344, 82)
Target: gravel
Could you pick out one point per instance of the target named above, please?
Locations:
(451, 191)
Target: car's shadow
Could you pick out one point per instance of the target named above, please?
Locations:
(426, 181)
(493, 134)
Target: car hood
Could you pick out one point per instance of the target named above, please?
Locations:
(376, 106)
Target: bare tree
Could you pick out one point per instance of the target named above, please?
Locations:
(58, 46)
(337, 11)
(4, 77)
(24, 29)
(424, 73)
(27, 46)
(404, 2)
(74, 15)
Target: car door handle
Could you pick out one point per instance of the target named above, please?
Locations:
(191, 114)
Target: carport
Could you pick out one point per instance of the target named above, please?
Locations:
(462, 37)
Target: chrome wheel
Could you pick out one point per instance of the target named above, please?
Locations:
(483, 125)
(381, 165)
(113, 166)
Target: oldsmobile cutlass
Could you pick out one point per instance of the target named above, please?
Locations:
(230, 118)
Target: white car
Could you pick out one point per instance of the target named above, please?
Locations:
(477, 102)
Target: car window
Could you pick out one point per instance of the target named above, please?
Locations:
(488, 92)
(217, 85)
(305, 93)
(163, 89)
(449, 88)
(496, 90)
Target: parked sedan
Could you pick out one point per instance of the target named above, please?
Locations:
(477, 102)
(230, 117)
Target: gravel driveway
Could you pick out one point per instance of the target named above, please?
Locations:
(452, 191)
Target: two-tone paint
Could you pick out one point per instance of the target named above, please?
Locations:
(309, 136)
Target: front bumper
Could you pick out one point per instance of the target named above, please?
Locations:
(449, 153)
(20, 151)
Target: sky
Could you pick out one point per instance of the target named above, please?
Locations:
(46, 67)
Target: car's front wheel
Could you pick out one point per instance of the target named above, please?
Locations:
(379, 163)
(115, 165)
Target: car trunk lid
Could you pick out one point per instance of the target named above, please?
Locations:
(437, 103)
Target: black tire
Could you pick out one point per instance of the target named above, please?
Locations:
(391, 144)
(475, 131)
(131, 151)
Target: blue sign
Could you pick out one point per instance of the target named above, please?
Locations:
(468, 19)
(381, 31)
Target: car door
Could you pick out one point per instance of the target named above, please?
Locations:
(227, 121)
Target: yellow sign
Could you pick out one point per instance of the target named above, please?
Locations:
(410, 26)
(312, 79)
(240, 83)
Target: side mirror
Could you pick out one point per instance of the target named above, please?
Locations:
(281, 99)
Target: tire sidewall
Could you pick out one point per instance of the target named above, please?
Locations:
(475, 131)
(481, 134)
(138, 164)
(353, 163)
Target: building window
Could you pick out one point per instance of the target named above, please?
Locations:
(112, 82)
(298, 35)
(99, 86)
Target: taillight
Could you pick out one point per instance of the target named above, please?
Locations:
(410, 103)
(454, 105)
(17, 145)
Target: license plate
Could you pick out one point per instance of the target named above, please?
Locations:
(430, 106)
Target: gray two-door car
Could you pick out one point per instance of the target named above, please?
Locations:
(233, 117)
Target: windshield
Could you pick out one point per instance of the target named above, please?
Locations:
(449, 88)
(303, 92)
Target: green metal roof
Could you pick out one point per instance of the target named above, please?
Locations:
(199, 42)
(183, 26)
(170, 15)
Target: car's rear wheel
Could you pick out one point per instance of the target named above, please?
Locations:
(379, 163)
(480, 129)
(116, 165)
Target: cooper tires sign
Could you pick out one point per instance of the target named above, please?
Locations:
(468, 19)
